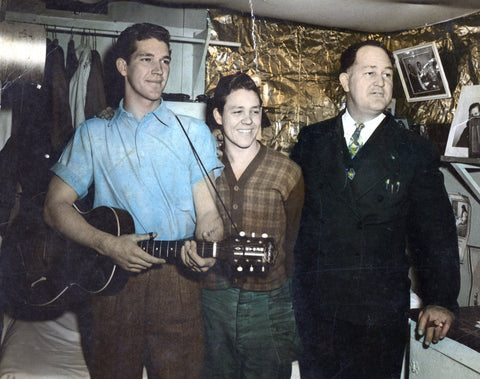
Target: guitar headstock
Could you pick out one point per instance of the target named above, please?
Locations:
(249, 255)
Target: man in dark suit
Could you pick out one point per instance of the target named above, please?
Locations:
(351, 278)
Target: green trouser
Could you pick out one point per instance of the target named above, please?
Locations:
(249, 334)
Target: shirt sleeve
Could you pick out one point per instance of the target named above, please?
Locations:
(204, 156)
(75, 166)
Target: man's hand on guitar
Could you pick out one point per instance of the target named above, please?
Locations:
(192, 260)
(126, 253)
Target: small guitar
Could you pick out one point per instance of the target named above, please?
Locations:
(82, 272)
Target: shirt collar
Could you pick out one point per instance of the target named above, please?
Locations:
(349, 125)
(162, 112)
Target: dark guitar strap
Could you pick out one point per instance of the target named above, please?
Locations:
(202, 166)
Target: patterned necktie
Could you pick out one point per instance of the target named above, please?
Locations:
(355, 141)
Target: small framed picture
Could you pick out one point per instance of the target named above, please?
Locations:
(464, 135)
(421, 73)
(462, 210)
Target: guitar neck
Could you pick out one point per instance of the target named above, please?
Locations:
(170, 250)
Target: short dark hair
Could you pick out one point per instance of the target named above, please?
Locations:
(127, 41)
(350, 54)
(227, 84)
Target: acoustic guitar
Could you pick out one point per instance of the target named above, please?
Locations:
(77, 272)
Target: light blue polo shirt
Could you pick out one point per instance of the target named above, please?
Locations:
(146, 167)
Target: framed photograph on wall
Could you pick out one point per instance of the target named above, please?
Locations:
(465, 121)
(463, 216)
(421, 73)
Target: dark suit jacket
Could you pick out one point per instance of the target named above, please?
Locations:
(351, 260)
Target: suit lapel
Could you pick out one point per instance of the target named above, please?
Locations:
(375, 161)
(337, 160)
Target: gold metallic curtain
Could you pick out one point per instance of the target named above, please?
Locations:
(297, 67)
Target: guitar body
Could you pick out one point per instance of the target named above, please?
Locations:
(25, 256)
(46, 269)
(82, 272)
(41, 268)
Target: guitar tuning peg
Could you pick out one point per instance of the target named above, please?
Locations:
(242, 234)
(253, 234)
(239, 268)
(251, 268)
(264, 235)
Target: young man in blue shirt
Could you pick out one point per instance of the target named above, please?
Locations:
(141, 161)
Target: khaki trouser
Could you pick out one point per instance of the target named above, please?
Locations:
(155, 321)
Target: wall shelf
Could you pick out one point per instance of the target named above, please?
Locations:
(100, 24)
(463, 167)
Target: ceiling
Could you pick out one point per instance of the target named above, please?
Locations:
(360, 15)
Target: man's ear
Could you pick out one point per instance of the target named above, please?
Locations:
(218, 117)
(121, 66)
(344, 78)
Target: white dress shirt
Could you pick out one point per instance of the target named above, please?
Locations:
(349, 126)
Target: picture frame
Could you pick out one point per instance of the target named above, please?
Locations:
(469, 95)
(421, 72)
(462, 210)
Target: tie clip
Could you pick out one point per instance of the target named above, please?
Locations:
(351, 173)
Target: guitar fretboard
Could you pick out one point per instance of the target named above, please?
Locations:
(170, 250)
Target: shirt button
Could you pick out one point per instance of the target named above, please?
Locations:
(236, 188)
(235, 206)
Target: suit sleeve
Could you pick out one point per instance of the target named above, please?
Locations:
(304, 269)
(293, 209)
(432, 233)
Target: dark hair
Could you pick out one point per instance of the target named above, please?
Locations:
(473, 105)
(226, 85)
(127, 41)
(348, 56)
